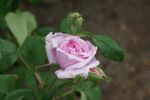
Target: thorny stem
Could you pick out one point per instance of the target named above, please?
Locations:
(36, 74)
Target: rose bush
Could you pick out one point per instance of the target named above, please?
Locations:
(23, 57)
(75, 55)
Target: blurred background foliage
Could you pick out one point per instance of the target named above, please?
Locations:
(125, 20)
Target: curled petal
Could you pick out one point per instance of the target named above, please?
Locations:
(93, 63)
(49, 50)
(63, 74)
(65, 59)
(48, 37)
(50, 53)
(83, 63)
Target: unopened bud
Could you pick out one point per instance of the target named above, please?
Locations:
(94, 70)
(75, 18)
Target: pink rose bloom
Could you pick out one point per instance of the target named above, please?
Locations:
(74, 55)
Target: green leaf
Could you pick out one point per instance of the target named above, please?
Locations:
(68, 97)
(33, 51)
(30, 80)
(109, 47)
(89, 91)
(2, 96)
(19, 94)
(44, 31)
(7, 5)
(21, 24)
(83, 95)
(8, 54)
(7, 83)
(2, 22)
(49, 78)
(20, 71)
(57, 89)
(39, 94)
(85, 34)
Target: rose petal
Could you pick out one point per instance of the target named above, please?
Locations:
(51, 44)
(83, 63)
(57, 34)
(84, 45)
(65, 59)
(50, 54)
(62, 74)
(49, 50)
(48, 37)
(93, 63)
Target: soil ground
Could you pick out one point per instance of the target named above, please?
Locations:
(128, 22)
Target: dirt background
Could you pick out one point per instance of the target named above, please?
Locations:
(128, 22)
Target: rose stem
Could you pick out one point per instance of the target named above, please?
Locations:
(37, 76)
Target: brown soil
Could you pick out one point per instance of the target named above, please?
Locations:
(128, 22)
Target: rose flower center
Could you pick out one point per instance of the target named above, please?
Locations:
(73, 47)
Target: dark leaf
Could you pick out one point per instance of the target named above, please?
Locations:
(108, 47)
(21, 71)
(57, 89)
(44, 31)
(8, 83)
(30, 80)
(33, 51)
(7, 5)
(89, 91)
(20, 94)
(8, 54)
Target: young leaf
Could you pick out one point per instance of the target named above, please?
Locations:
(109, 47)
(19, 94)
(21, 24)
(8, 54)
(7, 83)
